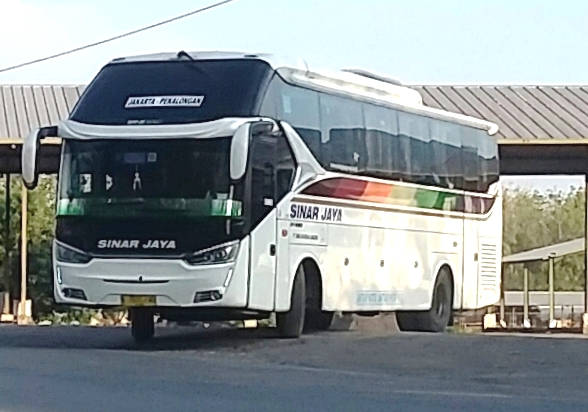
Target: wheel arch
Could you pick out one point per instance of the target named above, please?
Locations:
(445, 265)
(313, 278)
(312, 270)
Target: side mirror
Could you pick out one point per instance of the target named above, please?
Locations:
(239, 151)
(29, 155)
(30, 173)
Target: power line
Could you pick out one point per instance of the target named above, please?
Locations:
(220, 3)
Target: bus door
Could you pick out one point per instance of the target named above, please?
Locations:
(262, 213)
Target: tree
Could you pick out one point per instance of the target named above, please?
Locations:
(41, 209)
(534, 219)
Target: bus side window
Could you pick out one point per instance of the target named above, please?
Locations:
(261, 163)
(445, 149)
(382, 142)
(488, 160)
(343, 133)
(300, 108)
(285, 168)
(268, 106)
(470, 159)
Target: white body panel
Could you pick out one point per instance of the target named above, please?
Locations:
(263, 265)
(388, 260)
(105, 280)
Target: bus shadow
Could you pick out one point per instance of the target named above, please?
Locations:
(119, 338)
(187, 338)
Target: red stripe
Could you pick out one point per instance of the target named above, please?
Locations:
(340, 188)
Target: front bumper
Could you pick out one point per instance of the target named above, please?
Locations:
(173, 283)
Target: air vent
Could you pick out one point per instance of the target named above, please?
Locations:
(74, 294)
(489, 279)
(208, 296)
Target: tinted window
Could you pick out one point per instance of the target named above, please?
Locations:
(343, 133)
(300, 108)
(445, 152)
(147, 178)
(414, 132)
(272, 167)
(262, 165)
(469, 158)
(488, 158)
(385, 157)
(285, 167)
(215, 89)
(383, 142)
(269, 106)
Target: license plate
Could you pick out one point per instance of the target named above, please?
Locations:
(138, 300)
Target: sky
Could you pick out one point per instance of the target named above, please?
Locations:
(476, 42)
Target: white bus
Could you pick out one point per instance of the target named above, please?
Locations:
(224, 186)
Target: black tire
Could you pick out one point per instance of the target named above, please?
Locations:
(316, 320)
(438, 317)
(291, 324)
(142, 325)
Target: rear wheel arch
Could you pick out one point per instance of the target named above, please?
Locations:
(315, 318)
(440, 314)
(313, 279)
(445, 267)
(445, 270)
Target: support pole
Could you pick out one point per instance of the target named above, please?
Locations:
(585, 315)
(526, 322)
(551, 294)
(7, 278)
(22, 313)
(501, 321)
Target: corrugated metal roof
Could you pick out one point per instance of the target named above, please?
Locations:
(522, 112)
(543, 253)
(25, 107)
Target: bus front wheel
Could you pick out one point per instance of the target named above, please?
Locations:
(438, 317)
(290, 324)
(142, 325)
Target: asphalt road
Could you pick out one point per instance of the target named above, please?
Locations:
(58, 369)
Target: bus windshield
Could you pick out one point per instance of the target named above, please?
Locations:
(172, 92)
(116, 178)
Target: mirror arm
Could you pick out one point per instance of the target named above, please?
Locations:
(48, 131)
(34, 140)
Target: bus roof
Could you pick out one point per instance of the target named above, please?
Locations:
(353, 83)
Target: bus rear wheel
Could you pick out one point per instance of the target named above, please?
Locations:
(142, 325)
(438, 317)
(291, 324)
(315, 318)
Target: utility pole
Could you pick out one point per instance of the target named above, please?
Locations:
(5, 315)
(23, 319)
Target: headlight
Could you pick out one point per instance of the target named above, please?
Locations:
(69, 255)
(224, 253)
